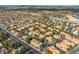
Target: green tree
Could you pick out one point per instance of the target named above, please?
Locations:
(2, 36)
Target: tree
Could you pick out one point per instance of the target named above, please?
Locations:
(20, 50)
(2, 36)
(11, 44)
(28, 40)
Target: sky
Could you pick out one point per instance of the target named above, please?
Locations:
(39, 2)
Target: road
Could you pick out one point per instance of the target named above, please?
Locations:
(18, 39)
(75, 50)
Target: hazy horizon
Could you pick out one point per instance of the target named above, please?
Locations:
(41, 6)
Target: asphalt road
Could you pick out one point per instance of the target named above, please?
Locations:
(23, 42)
(36, 51)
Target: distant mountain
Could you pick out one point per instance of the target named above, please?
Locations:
(41, 6)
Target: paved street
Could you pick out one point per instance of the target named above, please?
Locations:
(17, 39)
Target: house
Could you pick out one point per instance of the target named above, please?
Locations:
(76, 32)
(24, 37)
(56, 36)
(16, 33)
(35, 43)
(62, 34)
(75, 40)
(63, 46)
(41, 36)
(69, 43)
(42, 29)
(53, 50)
(49, 39)
(48, 33)
(31, 29)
